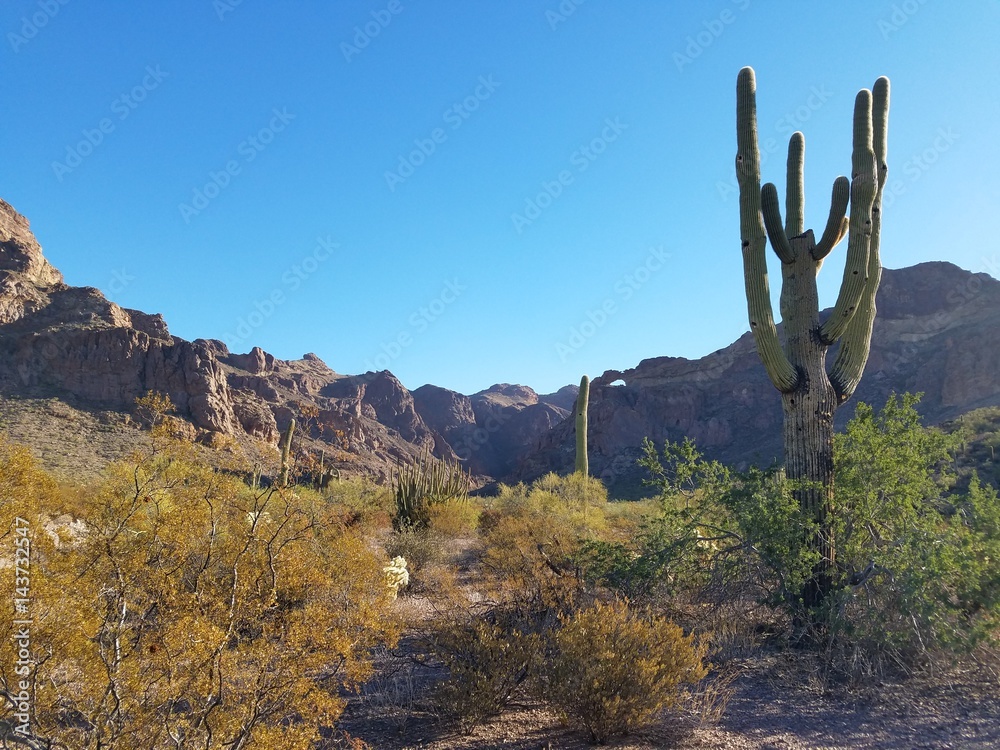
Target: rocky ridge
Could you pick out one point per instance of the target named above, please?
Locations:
(937, 332)
(73, 344)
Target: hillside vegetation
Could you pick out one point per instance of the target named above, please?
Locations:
(176, 604)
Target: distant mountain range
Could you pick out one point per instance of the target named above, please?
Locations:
(937, 331)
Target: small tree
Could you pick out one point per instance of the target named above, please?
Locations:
(919, 572)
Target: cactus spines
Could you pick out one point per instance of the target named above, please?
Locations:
(582, 403)
(797, 365)
(286, 450)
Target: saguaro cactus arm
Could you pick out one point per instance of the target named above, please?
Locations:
(837, 224)
(855, 344)
(795, 199)
(772, 223)
(864, 185)
(754, 240)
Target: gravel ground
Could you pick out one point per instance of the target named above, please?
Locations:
(773, 706)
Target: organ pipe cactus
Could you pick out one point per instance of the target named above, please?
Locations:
(797, 364)
(424, 483)
(582, 403)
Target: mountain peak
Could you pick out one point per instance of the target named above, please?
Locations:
(20, 252)
(932, 287)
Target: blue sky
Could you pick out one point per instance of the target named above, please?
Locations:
(473, 192)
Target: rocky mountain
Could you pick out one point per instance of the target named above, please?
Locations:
(72, 344)
(490, 429)
(937, 332)
(71, 354)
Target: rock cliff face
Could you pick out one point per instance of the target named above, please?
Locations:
(23, 269)
(937, 332)
(73, 344)
(489, 429)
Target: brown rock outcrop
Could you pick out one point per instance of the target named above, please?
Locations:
(489, 429)
(74, 344)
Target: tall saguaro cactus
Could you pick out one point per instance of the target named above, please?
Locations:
(286, 451)
(582, 403)
(797, 366)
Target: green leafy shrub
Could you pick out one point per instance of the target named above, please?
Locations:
(773, 533)
(918, 564)
(916, 561)
(614, 669)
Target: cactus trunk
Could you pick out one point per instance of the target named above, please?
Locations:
(286, 451)
(808, 411)
(797, 365)
(582, 403)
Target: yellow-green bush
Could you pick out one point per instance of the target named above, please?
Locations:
(360, 501)
(532, 536)
(455, 519)
(614, 669)
(176, 602)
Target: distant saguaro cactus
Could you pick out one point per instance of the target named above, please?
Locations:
(286, 450)
(797, 367)
(582, 403)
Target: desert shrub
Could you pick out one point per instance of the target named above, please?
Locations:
(634, 570)
(918, 564)
(428, 547)
(574, 493)
(454, 519)
(914, 578)
(367, 504)
(529, 562)
(527, 577)
(773, 533)
(393, 690)
(179, 603)
(687, 547)
(532, 535)
(614, 669)
(487, 658)
(421, 548)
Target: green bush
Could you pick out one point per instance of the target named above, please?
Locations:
(918, 564)
(916, 561)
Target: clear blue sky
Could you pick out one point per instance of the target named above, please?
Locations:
(307, 119)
